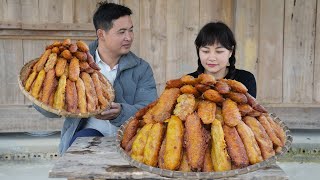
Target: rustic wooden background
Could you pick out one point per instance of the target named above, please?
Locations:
(278, 41)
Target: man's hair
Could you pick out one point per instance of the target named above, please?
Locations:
(106, 13)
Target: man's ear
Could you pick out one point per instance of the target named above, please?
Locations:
(100, 34)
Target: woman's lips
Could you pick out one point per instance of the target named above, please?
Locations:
(212, 65)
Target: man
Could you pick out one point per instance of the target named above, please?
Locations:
(132, 77)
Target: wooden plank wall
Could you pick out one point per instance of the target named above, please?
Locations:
(283, 53)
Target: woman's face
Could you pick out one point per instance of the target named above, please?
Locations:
(214, 59)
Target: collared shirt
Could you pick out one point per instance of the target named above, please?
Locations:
(104, 126)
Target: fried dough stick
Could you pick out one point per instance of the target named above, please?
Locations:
(236, 149)
(261, 136)
(173, 148)
(250, 143)
(186, 105)
(164, 107)
(219, 155)
(196, 141)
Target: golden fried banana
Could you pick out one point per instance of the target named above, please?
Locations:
(73, 48)
(266, 125)
(129, 132)
(59, 97)
(82, 46)
(42, 61)
(174, 139)
(189, 89)
(231, 113)
(278, 130)
(38, 84)
(222, 87)
(207, 111)
(141, 112)
(244, 109)
(66, 54)
(213, 96)
(186, 105)
(48, 86)
(207, 79)
(30, 80)
(71, 96)
(174, 83)
(161, 154)
(207, 163)
(91, 62)
(82, 100)
(237, 97)
(60, 66)
(250, 143)
(66, 42)
(140, 143)
(184, 165)
(55, 50)
(219, 155)
(97, 84)
(235, 146)
(201, 87)
(152, 148)
(190, 80)
(92, 100)
(51, 62)
(261, 136)
(254, 104)
(219, 115)
(82, 56)
(237, 86)
(74, 69)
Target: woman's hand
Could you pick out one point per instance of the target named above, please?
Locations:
(111, 113)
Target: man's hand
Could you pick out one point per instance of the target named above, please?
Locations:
(111, 113)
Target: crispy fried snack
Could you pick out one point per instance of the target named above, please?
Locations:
(66, 54)
(244, 109)
(55, 50)
(161, 154)
(254, 113)
(196, 141)
(266, 125)
(105, 87)
(129, 145)
(236, 149)
(71, 96)
(59, 96)
(237, 97)
(51, 62)
(97, 84)
(219, 115)
(91, 62)
(84, 66)
(220, 158)
(82, 100)
(254, 104)
(174, 83)
(207, 162)
(184, 165)
(82, 46)
(82, 56)
(261, 136)
(186, 105)
(129, 132)
(66, 42)
(222, 87)
(38, 84)
(278, 130)
(140, 143)
(250, 143)
(164, 107)
(74, 69)
(152, 148)
(173, 148)
(187, 79)
(207, 111)
(189, 89)
(66, 70)
(30, 80)
(48, 86)
(231, 113)
(42, 61)
(213, 96)
(73, 48)
(140, 113)
(51, 98)
(207, 79)
(60, 66)
(201, 87)
(237, 86)
(92, 100)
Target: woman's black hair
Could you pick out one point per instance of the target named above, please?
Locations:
(217, 32)
(106, 13)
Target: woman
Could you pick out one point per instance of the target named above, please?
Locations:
(216, 47)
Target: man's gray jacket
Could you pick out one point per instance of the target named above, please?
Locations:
(134, 88)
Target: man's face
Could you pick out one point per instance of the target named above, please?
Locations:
(119, 38)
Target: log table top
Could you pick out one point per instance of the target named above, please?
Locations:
(97, 158)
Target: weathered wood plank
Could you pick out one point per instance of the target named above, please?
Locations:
(83, 10)
(11, 61)
(38, 34)
(247, 34)
(134, 5)
(298, 117)
(316, 73)
(153, 43)
(269, 77)
(10, 11)
(59, 26)
(299, 42)
(22, 118)
(97, 158)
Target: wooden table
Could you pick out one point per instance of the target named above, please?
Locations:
(97, 158)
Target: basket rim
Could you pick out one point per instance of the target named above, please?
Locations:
(58, 111)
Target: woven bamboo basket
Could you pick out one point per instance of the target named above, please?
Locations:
(23, 75)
